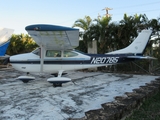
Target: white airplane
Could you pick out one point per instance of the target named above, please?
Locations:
(5, 35)
(56, 53)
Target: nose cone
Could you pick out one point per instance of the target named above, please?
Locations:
(20, 57)
(23, 57)
(14, 58)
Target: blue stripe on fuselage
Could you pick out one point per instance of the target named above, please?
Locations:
(95, 59)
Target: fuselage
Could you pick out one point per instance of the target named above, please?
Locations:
(54, 61)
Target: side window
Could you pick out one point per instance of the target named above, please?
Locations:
(69, 54)
(53, 53)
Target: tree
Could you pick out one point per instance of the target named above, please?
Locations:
(128, 30)
(154, 24)
(84, 24)
(21, 44)
(140, 21)
(113, 37)
(101, 29)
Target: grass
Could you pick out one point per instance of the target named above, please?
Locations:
(150, 109)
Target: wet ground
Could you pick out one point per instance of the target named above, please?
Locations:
(38, 99)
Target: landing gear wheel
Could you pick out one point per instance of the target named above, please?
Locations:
(25, 81)
(57, 84)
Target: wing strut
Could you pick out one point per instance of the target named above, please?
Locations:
(42, 58)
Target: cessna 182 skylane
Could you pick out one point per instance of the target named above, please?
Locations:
(56, 53)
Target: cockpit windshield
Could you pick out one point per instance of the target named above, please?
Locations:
(37, 51)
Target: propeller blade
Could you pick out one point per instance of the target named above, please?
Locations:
(6, 61)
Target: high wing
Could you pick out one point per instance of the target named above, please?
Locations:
(54, 37)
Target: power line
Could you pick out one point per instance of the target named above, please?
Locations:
(151, 10)
(137, 5)
(123, 7)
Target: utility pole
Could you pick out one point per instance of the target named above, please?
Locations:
(98, 16)
(107, 9)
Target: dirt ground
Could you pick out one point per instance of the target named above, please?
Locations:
(38, 99)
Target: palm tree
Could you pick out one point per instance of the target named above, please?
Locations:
(128, 30)
(113, 37)
(30, 44)
(154, 24)
(102, 24)
(85, 25)
(140, 21)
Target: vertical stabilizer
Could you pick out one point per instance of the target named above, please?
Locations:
(137, 46)
(5, 35)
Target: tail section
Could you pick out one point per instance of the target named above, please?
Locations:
(137, 46)
(5, 35)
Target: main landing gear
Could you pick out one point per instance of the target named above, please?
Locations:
(57, 81)
(26, 79)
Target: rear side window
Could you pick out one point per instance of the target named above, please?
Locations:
(53, 53)
(69, 54)
(57, 53)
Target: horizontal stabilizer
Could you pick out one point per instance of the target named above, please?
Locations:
(141, 57)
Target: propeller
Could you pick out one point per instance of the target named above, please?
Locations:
(6, 61)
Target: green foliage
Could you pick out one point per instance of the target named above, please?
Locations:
(102, 24)
(21, 44)
(84, 24)
(82, 47)
(141, 66)
(149, 110)
(112, 36)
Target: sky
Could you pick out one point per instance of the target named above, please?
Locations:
(17, 14)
